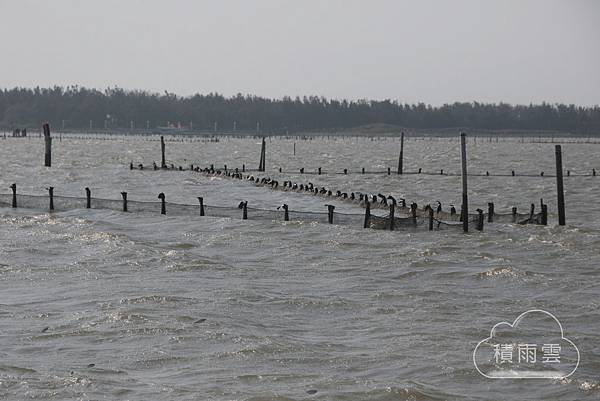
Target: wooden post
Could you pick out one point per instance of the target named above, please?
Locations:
(286, 215)
(14, 194)
(163, 208)
(401, 157)
(392, 210)
(389, 171)
(430, 219)
(544, 213)
(294, 148)
(51, 196)
(465, 200)
(48, 146)
(330, 209)
(163, 163)
(88, 198)
(124, 195)
(245, 211)
(479, 220)
(531, 212)
(243, 168)
(514, 214)
(261, 166)
(413, 211)
(559, 186)
(319, 170)
(201, 200)
(367, 223)
(490, 212)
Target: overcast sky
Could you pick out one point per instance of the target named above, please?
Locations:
(516, 51)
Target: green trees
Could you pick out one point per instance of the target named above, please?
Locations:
(117, 108)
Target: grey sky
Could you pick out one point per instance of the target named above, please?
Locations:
(517, 51)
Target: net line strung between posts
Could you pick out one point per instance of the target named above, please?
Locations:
(56, 203)
(441, 172)
(375, 201)
(390, 172)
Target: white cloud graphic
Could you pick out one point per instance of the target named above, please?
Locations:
(536, 335)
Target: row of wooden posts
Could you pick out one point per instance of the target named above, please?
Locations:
(464, 208)
(244, 207)
(464, 175)
(330, 210)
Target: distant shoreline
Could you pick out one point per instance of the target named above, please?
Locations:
(365, 131)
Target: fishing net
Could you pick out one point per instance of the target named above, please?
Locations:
(405, 219)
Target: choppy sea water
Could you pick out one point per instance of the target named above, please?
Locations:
(98, 304)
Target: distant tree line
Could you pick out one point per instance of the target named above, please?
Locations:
(76, 106)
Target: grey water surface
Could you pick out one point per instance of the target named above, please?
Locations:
(99, 304)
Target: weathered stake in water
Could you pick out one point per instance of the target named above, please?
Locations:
(88, 198)
(124, 195)
(201, 200)
(559, 186)
(51, 195)
(465, 200)
(13, 187)
(163, 163)
(330, 209)
(48, 145)
(261, 163)
(163, 207)
(400, 158)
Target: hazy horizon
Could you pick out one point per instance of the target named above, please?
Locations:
(516, 52)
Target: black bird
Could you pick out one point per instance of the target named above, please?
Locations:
(439, 207)
(338, 194)
(352, 196)
(344, 195)
(452, 210)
